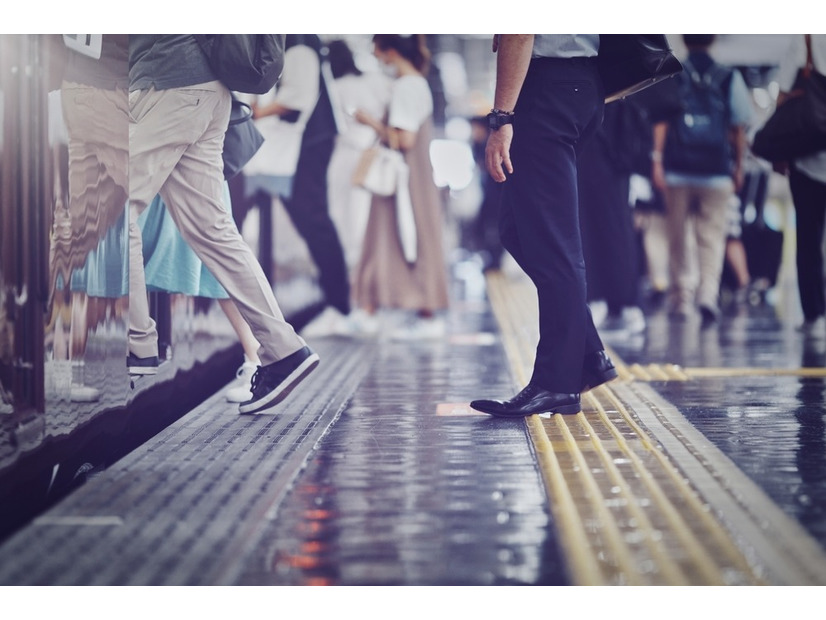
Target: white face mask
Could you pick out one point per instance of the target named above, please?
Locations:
(389, 70)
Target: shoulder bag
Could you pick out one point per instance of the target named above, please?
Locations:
(629, 63)
(241, 140)
(798, 125)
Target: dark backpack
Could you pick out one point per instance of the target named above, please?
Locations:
(698, 138)
(246, 63)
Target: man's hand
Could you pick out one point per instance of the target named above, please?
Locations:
(497, 153)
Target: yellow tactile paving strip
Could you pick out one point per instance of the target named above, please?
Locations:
(625, 511)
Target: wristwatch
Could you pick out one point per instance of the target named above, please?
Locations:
(497, 118)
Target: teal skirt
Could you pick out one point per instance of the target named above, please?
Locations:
(170, 264)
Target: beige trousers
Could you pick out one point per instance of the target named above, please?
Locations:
(696, 268)
(176, 137)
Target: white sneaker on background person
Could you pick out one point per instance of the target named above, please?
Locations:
(630, 321)
(330, 322)
(815, 328)
(361, 324)
(634, 319)
(243, 391)
(422, 329)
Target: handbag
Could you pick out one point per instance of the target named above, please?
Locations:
(798, 125)
(241, 140)
(384, 172)
(629, 63)
(378, 170)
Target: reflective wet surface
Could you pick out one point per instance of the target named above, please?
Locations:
(377, 472)
(756, 392)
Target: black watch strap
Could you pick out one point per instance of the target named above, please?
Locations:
(498, 118)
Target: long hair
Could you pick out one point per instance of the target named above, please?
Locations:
(413, 47)
(341, 59)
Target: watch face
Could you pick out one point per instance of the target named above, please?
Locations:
(495, 121)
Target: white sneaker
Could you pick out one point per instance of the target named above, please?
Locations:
(242, 393)
(361, 324)
(422, 329)
(634, 319)
(330, 322)
(814, 329)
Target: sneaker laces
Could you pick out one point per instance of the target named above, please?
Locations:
(256, 379)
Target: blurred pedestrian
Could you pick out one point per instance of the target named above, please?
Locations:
(384, 279)
(697, 162)
(609, 240)
(807, 181)
(484, 229)
(179, 114)
(354, 89)
(549, 100)
(299, 124)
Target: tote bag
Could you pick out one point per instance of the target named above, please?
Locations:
(798, 126)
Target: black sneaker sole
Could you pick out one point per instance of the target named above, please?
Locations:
(265, 403)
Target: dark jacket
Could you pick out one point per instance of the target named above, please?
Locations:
(166, 61)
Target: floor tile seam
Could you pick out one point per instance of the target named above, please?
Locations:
(775, 544)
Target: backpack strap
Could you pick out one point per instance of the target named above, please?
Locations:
(718, 74)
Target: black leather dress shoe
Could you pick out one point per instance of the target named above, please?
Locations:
(532, 399)
(596, 370)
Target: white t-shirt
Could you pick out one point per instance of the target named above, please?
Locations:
(297, 89)
(411, 103)
(813, 166)
(369, 92)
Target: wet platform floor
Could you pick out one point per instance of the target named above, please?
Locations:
(702, 464)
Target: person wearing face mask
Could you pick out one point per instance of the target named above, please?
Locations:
(383, 277)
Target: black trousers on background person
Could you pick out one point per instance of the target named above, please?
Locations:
(609, 241)
(809, 197)
(310, 214)
(560, 104)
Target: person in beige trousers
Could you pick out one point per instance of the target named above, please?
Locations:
(179, 113)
